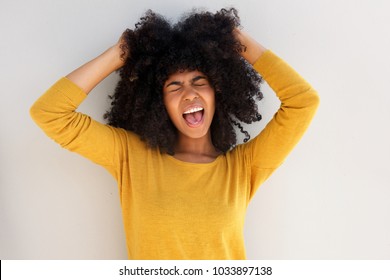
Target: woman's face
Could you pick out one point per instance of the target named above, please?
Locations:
(190, 102)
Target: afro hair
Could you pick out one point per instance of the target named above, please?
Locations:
(202, 41)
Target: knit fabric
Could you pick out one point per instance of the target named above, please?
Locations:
(174, 209)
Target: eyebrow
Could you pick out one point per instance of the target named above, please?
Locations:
(197, 78)
(194, 80)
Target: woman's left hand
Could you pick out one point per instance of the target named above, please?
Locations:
(253, 49)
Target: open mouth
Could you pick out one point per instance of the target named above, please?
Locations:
(194, 116)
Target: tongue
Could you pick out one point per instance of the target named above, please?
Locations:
(193, 118)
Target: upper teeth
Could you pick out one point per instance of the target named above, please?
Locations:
(193, 110)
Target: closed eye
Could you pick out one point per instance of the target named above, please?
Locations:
(172, 84)
(175, 89)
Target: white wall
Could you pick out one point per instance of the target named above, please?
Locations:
(330, 200)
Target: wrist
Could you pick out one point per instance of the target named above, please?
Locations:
(115, 57)
(253, 49)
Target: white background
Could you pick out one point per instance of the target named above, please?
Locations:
(329, 200)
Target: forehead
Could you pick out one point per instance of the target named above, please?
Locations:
(184, 75)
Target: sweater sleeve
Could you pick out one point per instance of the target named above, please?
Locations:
(299, 102)
(54, 112)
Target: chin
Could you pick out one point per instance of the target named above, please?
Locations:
(195, 133)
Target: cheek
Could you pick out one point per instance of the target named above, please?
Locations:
(170, 108)
(211, 100)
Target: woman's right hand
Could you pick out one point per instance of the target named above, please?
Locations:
(93, 72)
(123, 47)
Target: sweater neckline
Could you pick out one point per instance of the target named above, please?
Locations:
(194, 164)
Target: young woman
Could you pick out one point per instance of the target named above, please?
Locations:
(184, 183)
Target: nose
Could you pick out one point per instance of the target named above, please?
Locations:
(190, 94)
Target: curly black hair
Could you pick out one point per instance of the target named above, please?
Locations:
(200, 41)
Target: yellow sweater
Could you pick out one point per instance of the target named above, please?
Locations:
(179, 210)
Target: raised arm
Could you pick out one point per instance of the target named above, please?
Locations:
(299, 102)
(55, 112)
(93, 72)
(253, 49)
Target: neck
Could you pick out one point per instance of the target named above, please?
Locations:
(195, 149)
